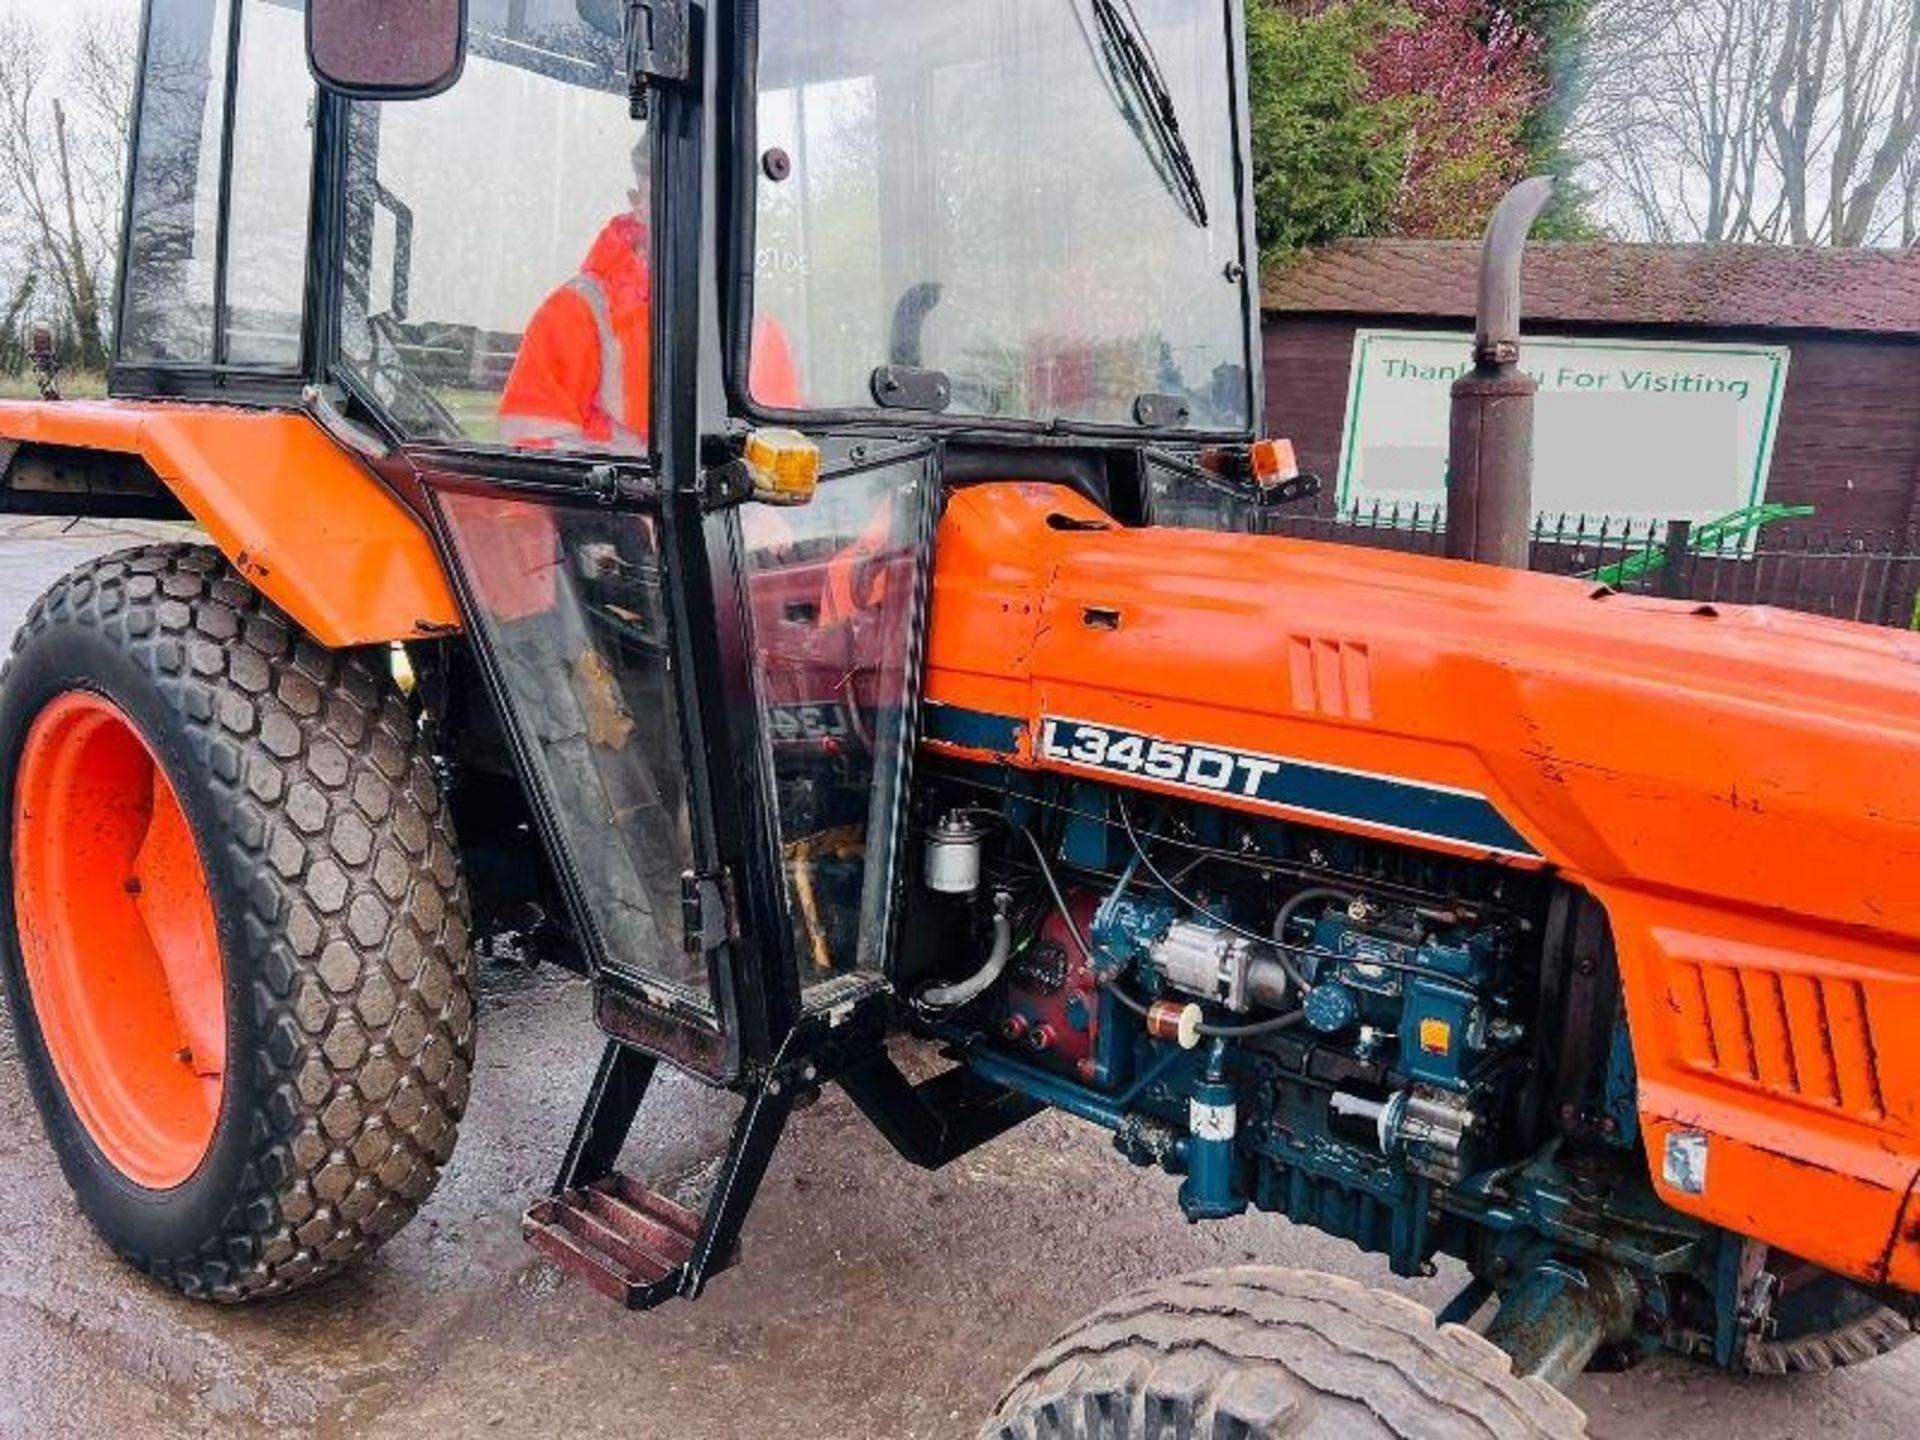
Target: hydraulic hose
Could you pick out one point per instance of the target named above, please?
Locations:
(1286, 961)
(962, 992)
(1296, 902)
(1270, 1026)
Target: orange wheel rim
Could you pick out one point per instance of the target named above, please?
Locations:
(118, 939)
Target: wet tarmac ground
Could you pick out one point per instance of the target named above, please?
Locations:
(872, 1299)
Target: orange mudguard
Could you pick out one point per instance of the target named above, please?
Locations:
(1739, 788)
(304, 521)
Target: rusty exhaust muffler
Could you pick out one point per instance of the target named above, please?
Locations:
(1490, 444)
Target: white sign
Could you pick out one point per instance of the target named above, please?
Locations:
(1632, 430)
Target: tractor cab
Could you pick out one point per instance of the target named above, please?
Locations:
(675, 325)
(683, 320)
(901, 246)
(601, 290)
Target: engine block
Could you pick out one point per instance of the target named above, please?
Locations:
(1352, 1034)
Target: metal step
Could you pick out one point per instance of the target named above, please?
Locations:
(627, 1242)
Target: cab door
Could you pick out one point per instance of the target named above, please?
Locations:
(579, 610)
(709, 699)
(714, 706)
(503, 307)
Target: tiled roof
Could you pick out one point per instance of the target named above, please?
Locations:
(1721, 286)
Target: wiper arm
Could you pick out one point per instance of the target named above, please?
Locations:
(1126, 45)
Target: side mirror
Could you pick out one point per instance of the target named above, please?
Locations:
(386, 49)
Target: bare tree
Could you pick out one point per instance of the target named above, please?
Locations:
(1777, 121)
(1910, 199)
(62, 153)
(100, 80)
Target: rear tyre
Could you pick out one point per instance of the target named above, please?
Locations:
(242, 832)
(1258, 1352)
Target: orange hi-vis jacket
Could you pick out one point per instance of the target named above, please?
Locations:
(585, 368)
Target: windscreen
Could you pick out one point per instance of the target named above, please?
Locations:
(1035, 198)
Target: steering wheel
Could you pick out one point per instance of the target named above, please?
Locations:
(421, 413)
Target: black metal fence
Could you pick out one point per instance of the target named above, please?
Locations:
(1869, 576)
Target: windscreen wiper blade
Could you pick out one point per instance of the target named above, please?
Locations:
(1126, 46)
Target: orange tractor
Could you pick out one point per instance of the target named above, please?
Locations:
(932, 690)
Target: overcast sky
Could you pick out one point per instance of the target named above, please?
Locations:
(56, 19)
(57, 16)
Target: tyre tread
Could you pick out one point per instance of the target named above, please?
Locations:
(1258, 1351)
(1878, 1333)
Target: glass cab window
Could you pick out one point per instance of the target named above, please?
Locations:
(576, 614)
(497, 292)
(498, 289)
(272, 184)
(203, 289)
(836, 591)
(979, 187)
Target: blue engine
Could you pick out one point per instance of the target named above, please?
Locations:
(1419, 1054)
(1422, 994)
(1330, 1053)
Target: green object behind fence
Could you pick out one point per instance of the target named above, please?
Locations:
(1710, 537)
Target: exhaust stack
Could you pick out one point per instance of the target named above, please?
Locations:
(1490, 445)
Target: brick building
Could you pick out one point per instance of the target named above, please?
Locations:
(1848, 439)
(1849, 436)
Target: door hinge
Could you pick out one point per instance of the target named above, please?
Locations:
(659, 48)
(706, 910)
(725, 485)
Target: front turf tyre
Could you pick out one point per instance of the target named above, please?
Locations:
(232, 929)
(1258, 1352)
